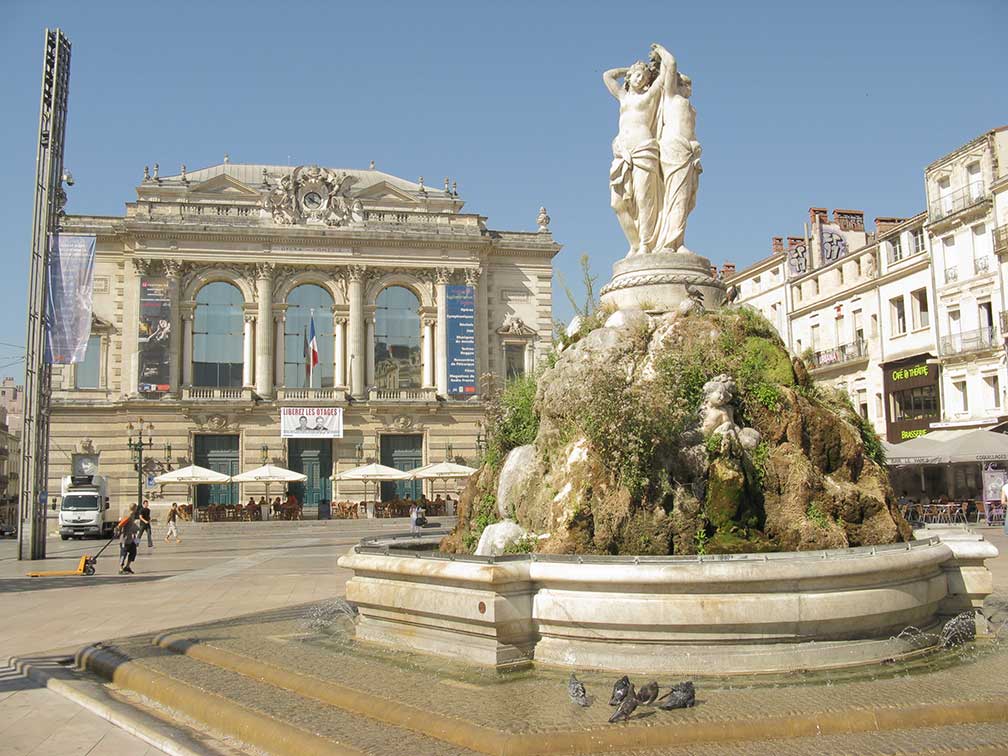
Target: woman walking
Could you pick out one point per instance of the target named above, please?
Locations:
(127, 531)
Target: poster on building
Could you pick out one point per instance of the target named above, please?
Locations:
(71, 273)
(995, 475)
(461, 336)
(832, 244)
(311, 422)
(153, 336)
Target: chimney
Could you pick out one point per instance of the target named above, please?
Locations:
(883, 225)
(777, 244)
(818, 213)
(849, 220)
(795, 241)
(727, 270)
(713, 271)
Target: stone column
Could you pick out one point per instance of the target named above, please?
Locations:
(263, 357)
(248, 350)
(131, 328)
(279, 323)
(529, 358)
(427, 353)
(355, 293)
(339, 356)
(441, 343)
(187, 343)
(173, 271)
(369, 350)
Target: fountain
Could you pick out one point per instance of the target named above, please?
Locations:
(692, 502)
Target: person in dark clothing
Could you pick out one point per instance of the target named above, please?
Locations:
(126, 529)
(144, 524)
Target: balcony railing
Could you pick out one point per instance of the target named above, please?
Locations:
(216, 394)
(403, 395)
(983, 264)
(961, 199)
(839, 355)
(951, 274)
(311, 394)
(970, 341)
(1001, 240)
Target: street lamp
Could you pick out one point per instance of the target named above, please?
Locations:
(360, 454)
(136, 444)
(481, 441)
(449, 452)
(167, 455)
(264, 450)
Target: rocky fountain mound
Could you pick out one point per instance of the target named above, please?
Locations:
(688, 432)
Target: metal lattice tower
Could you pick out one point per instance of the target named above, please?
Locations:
(49, 202)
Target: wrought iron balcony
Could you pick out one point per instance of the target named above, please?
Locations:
(839, 355)
(960, 199)
(970, 341)
(1001, 240)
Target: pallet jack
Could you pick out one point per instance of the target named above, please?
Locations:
(86, 565)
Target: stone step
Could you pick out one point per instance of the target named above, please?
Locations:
(275, 720)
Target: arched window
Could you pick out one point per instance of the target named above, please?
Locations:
(217, 336)
(306, 303)
(397, 339)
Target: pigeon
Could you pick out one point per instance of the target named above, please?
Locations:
(648, 693)
(682, 696)
(626, 708)
(695, 294)
(576, 691)
(619, 691)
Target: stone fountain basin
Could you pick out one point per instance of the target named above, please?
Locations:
(711, 615)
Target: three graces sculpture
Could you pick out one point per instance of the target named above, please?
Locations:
(656, 157)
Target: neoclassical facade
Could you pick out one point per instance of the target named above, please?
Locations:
(215, 287)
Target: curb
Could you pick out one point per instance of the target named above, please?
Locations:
(137, 723)
(496, 743)
(254, 728)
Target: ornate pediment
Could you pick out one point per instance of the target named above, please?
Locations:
(385, 192)
(224, 186)
(515, 326)
(311, 194)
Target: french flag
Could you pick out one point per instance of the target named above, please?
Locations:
(311, 349)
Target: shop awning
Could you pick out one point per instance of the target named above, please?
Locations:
(194, 475)
(917, 451)
(269, 474)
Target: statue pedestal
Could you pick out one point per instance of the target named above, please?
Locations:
(657, 282)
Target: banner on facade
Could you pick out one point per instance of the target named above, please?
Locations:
(994, 477)
(311, 422)
(71, 273)
(154, 334)
(460, 307)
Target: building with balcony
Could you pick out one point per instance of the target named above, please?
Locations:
(909, 319)
(216, 287)
(12, 402)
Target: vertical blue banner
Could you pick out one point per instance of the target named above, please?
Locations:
(460, 307)
(68, 322)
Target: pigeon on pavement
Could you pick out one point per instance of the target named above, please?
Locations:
(576, 691)
(648, 693)
(626, 708)
(619, 691)
(682, 696)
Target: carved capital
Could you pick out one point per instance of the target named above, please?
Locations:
(443, 275)
(472, 276)
(356, 272)
(250, 317)
(264, 270)
(429, 322)
(187, 310)
(340, 320)
(141, 265)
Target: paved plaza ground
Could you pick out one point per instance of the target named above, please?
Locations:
(222, 571)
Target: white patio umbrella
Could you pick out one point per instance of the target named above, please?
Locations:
(441, 471)
(269, 474)
(193, 475)
(373, 472)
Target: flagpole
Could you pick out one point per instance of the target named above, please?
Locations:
(311, 349)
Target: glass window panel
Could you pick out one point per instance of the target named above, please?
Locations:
(88, 371)
(397, 339)
(304, 303)
(218, 336)
(514, 360)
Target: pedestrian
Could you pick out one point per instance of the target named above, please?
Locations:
(413, 519)
(144, 524)
(126, 529)
(173, 514)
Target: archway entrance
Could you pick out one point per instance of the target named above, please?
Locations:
(403, 452)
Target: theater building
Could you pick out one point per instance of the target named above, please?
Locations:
(226, 294)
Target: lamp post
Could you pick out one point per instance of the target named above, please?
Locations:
(264, 451)
(481, 442)
(449, 452)
(167, 455)
(136, 444)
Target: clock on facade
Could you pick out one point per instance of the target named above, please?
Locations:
(312, 201)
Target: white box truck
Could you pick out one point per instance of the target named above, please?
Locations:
(84, 505)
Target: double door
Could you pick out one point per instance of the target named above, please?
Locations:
(218, 453)
(403, 452)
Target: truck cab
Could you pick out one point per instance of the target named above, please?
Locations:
(84, 508)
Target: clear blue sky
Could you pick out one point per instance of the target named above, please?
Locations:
(839, 104)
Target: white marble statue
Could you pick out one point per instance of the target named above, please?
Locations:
(656, 157)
